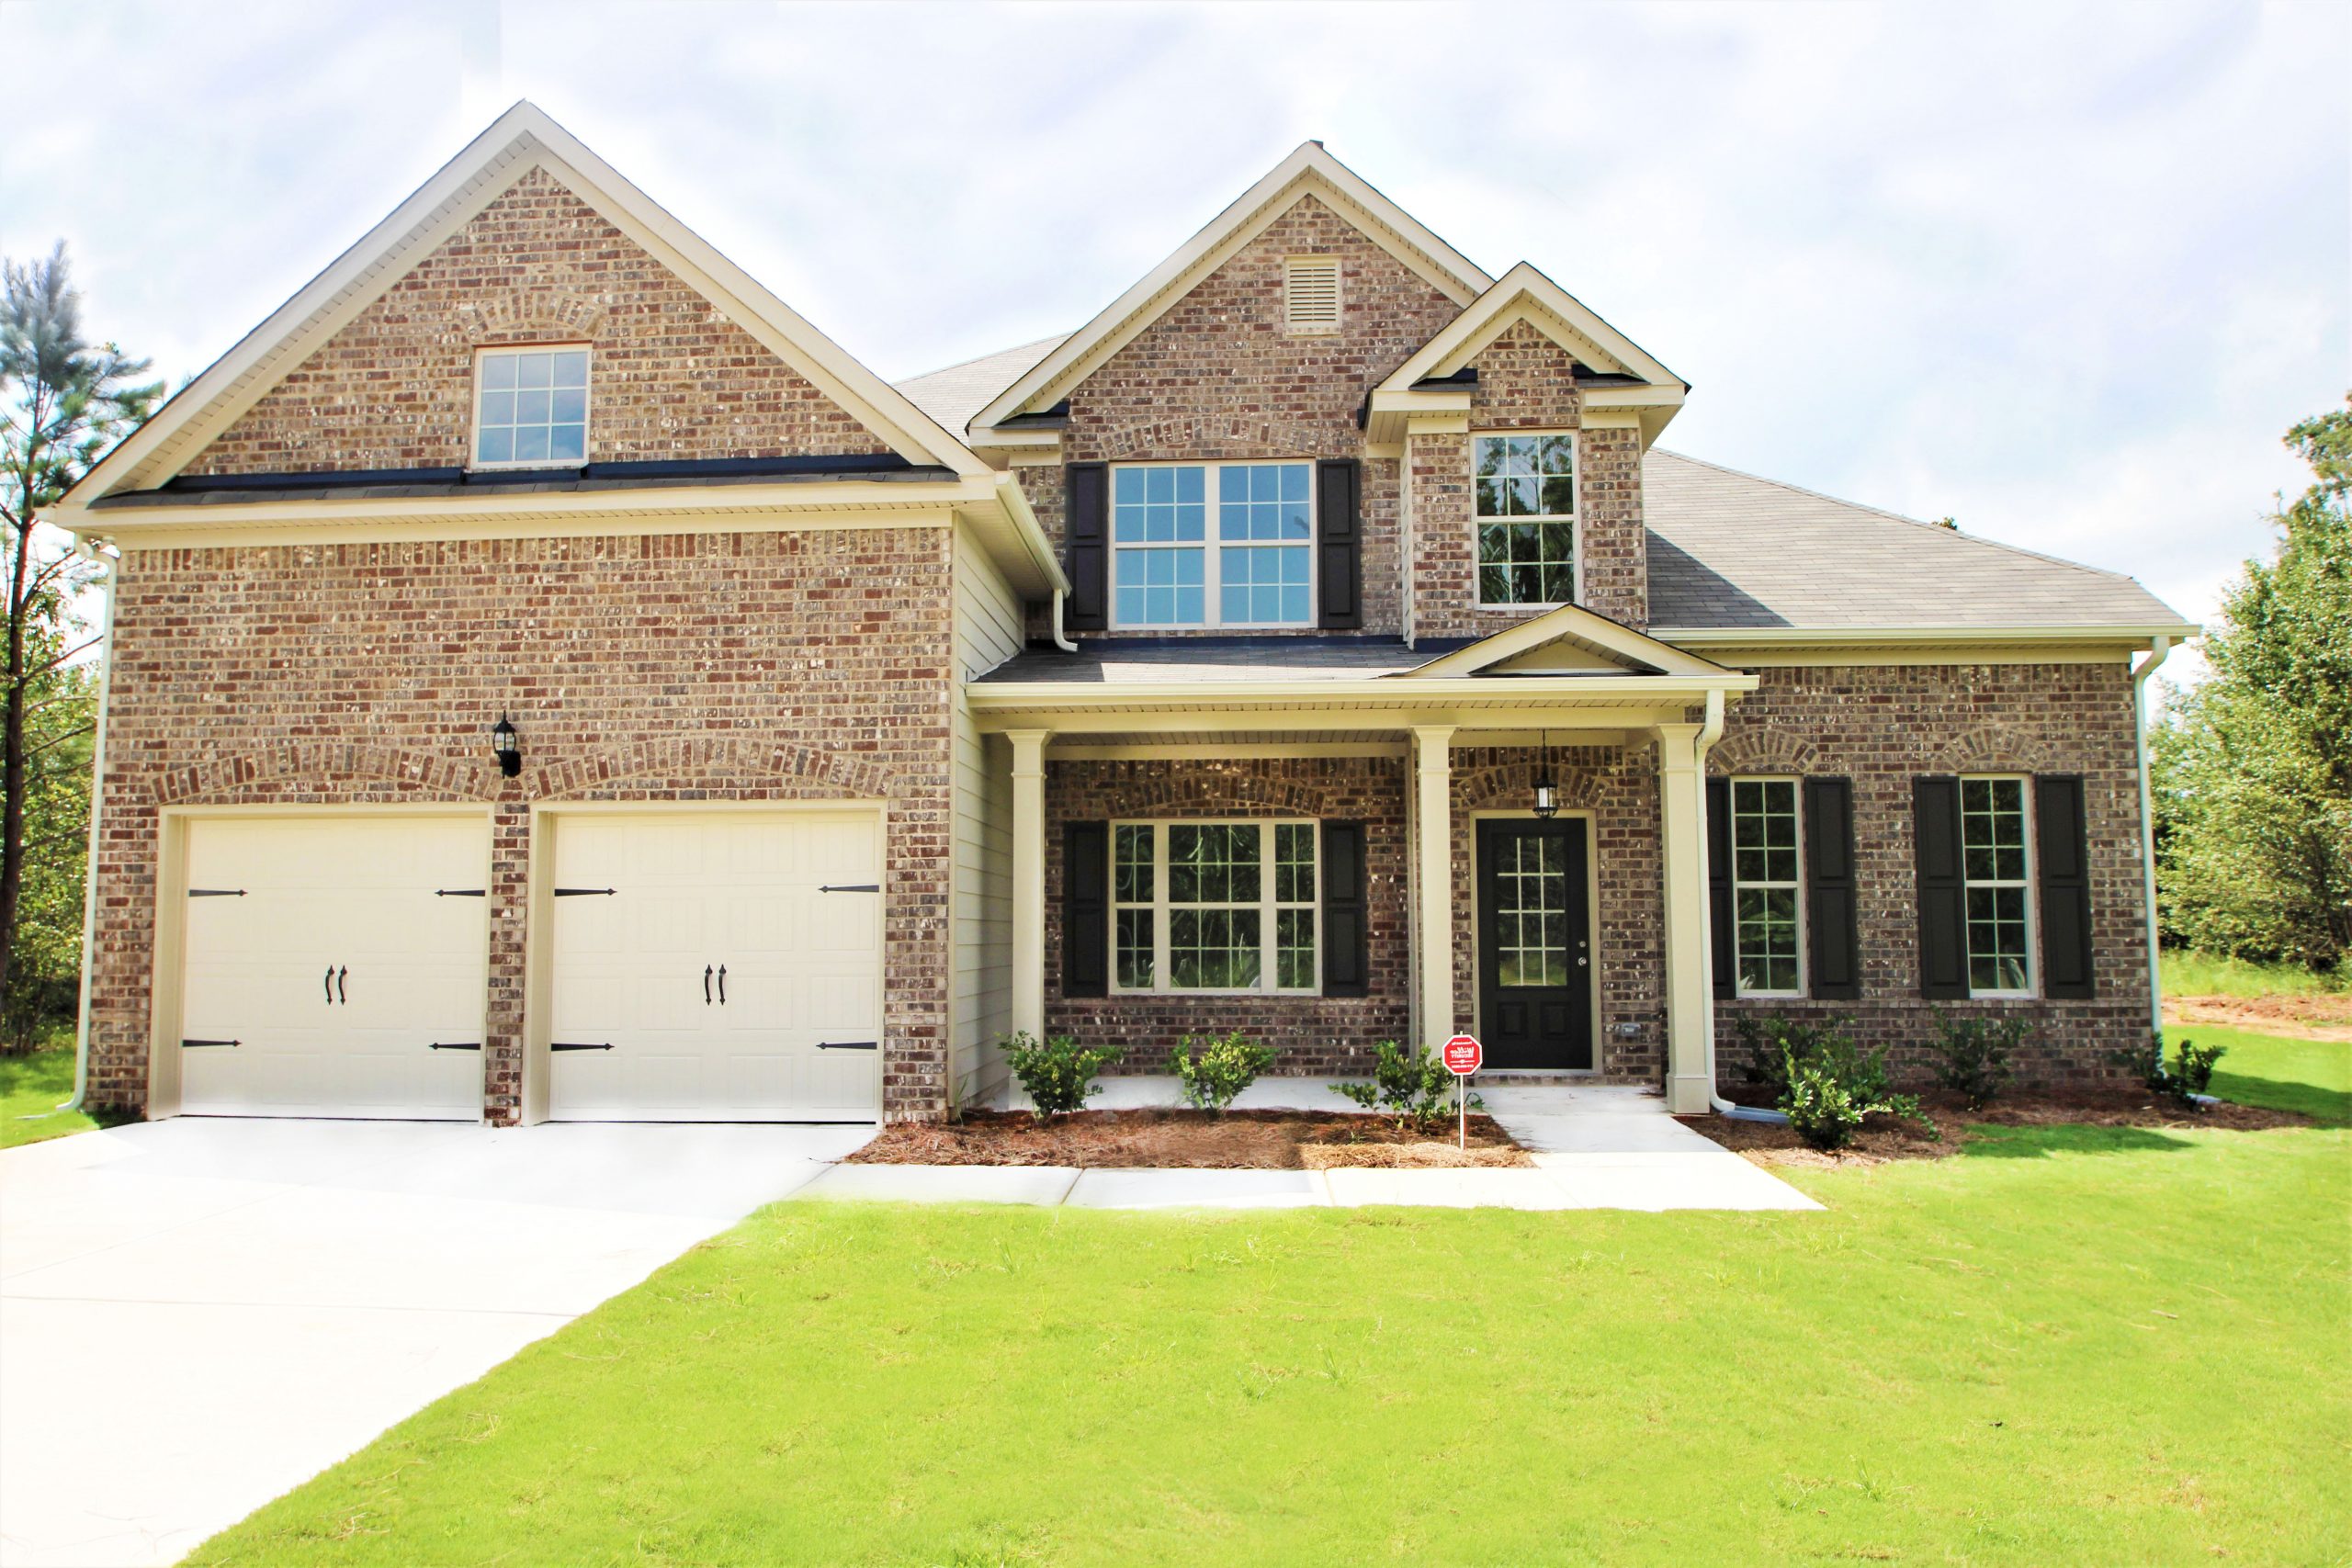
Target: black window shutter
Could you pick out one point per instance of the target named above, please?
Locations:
(1834, 954)
(1340, 571)
(1086, 908)
(2062, 850)
(1346, 958)
(1943, 924)
(1086, 521)
(1719, 895)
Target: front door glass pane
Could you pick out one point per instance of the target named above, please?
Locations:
(1532, 912)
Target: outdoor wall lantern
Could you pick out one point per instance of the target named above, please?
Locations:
(1547, 801)
(509, 749)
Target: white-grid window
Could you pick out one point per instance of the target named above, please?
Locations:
(531, 407)
(1997, 870)
(1213, 906)
(1526, 505)
(1258, 569)
(1768, 887)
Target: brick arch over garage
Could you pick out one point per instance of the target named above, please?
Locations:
(305, 766)
(712, 762)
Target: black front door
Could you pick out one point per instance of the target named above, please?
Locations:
(1534, 944)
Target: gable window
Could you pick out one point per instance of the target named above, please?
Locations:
(531, 407)
(1311, 294)
(1997, 874)
(1213, 906)
(1168, 572)
(1526, 500)
(1766, 888)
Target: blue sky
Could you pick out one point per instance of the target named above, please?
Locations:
(2065, 273)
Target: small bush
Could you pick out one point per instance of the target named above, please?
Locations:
(1413, 1089)
(1214, 1068)
(1972, 1056)
(2195, 1066)
(1831, 1092)
(2190, 1073)
(1059, 1075)
(1771, 1042)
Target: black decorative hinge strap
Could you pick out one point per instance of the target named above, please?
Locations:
(851, 887)
(583, 892)
(216, 892)
(460, 893)
(849, 1044)
(457, 1045)
(566, 1045)
(190, 1044)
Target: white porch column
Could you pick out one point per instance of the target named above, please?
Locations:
(1682, 821)
(1433, 879)
(1029, 880)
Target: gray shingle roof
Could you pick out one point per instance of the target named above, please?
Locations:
(1730, 549)
(954, 395)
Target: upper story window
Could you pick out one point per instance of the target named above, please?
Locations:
(531, 407)
(1996, 871)
(1311, 294)
(1768, 888)
(1526, 502)
(1166, 571)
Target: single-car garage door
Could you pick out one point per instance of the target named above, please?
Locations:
(335, 965)
(715, 965)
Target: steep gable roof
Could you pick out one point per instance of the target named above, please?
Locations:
(1308, 171)
(520, 140)
(1568, 639)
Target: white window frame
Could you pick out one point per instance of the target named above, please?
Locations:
(1268, 906)
(2027, 882)
(1575, 520)
(1738, 884)
(1213, 548)
(474, 462)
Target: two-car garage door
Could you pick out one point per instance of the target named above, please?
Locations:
(719, 966)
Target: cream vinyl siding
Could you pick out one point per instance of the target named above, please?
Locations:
(988, 630)
(323, 947)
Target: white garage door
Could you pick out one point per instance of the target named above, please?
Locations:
(716, 966)
(336, 966)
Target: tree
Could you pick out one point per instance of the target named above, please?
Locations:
(63, 401)
(2253, 767)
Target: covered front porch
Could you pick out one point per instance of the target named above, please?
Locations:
(1354, 826)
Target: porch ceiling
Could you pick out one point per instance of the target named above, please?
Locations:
(1383, 709)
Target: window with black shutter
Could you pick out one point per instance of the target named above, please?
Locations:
(1086, 908)
(1346, 966)
(2061, 848)
(1833, 938)
(1087, 528)
(1339, 544)
(1943, 930)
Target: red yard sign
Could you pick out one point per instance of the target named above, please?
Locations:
(1463, 1055)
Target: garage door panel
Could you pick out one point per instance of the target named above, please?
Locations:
(696, 890)
(333, 962)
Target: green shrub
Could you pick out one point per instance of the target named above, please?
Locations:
(1214, 1068)
(1972, 1056)
(1059, 1075)
(2195, 1066)
(1412, 1088)
(1830, 1092)
(1771, 1041)
(2190, 1073)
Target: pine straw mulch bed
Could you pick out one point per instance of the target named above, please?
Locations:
(1238, 1139)
(1885, 1138)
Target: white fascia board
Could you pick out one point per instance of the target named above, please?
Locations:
(1008, 528)
(1391, 412)
(1310, 170)
(1833, 636)
(1488, 315)
(1388, 692)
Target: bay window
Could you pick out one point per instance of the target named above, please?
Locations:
(1168, 572)
(1213, 906)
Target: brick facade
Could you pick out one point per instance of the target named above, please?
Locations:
(669, 376)
(764, 666)
(1881, 727)
(1314, 1034)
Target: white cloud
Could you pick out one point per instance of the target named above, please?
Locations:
(2066, 273)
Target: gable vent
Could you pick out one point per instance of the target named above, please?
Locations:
(1311, 294)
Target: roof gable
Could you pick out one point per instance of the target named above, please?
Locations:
(519, 142)
(1570, 640)
(1308, 172)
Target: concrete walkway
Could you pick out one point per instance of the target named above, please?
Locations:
(198, 1314)
(1595, 1146)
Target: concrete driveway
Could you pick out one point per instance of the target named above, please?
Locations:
(198, 1315)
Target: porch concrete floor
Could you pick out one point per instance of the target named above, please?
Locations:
(1595, 1146)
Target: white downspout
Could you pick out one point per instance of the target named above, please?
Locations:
(108, 565)
(2158, 649)
(1061, 638)
(1709, 733)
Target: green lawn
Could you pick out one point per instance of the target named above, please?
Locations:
(2065, 1345)
(31, 1089)
(2313, 1077)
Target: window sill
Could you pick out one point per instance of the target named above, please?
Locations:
(546, 465)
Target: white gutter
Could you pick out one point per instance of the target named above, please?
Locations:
(1061, 638)
(1709, 733)
(2158, 649)
(90, 550)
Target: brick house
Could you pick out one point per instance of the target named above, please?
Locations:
(551, 679)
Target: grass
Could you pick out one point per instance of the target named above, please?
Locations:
(31, 1087)
(2187, 974)
(2084, 1345)
(2313, 1077)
